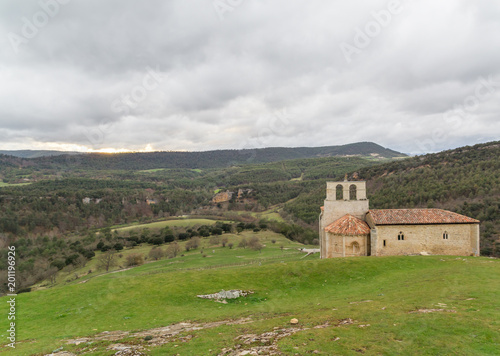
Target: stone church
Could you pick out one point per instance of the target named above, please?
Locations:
(348, 227)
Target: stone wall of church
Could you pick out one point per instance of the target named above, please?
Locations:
(354, 246)
(462, 239)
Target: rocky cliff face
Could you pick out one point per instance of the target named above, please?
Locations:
(222, 197)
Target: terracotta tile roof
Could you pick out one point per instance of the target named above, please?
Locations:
(348, 225)
(322, 208)
(418, 217)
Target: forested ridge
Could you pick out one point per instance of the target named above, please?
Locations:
(192, 160)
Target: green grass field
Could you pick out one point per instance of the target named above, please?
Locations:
(163, 224)
(216, 255)
(269, 214)
(366, 305)
(3, 184)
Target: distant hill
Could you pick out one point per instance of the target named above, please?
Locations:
(36, 153)
(210, 159)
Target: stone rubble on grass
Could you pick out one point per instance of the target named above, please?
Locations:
(159, 336)
(267, 343)
(226, 294)
(425, 311)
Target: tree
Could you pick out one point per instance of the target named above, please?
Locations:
(193, 243)
(254, 244)
(217, 231)
(145, 234)
(243, 243)
(214, 240)
(156, 253)
(173, 249)
(224, 241)
(52, 274)
(106, 260)
(100, 245)
(169, 237)
(230, 245)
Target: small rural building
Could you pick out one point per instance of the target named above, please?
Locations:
(349, 228)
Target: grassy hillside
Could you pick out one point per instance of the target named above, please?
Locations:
(439, 305)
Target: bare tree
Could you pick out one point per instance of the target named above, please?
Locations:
(224, 241)
(243, 243)
(193, 243)
(214, 240)
(173, 249)
(52, 274)
(106, 260)
(156, 253)
(254, 243)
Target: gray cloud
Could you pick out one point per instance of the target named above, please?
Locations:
(126, 74)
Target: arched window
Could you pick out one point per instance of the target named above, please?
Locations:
(445, 235)
(355, 247)
(401, 236)
(352, 192)
(339, 192)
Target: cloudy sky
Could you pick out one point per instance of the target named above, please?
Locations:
(415, 76)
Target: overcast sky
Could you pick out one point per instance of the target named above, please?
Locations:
(415, 76)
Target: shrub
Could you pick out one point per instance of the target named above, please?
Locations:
(183, 236)
(135, 259)
(204, 233)
(59, 264)
(156, 240)
(88, 254)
